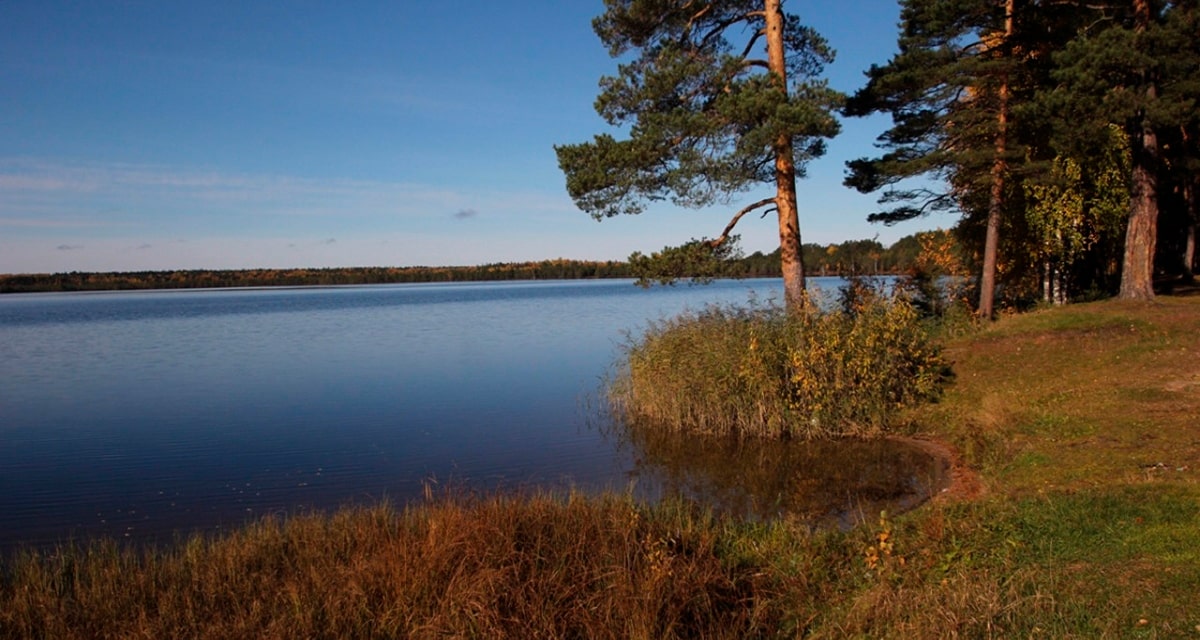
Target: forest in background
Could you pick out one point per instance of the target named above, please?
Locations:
(857, 257)
(1064, 134)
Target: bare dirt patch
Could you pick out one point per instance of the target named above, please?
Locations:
(1184, 384)
(965, 483)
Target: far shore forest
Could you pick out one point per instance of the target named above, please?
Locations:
(855, 257)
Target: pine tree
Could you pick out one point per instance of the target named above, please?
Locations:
(958, 93)
(1135, 67)
(705, 117)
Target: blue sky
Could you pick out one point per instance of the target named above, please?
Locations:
(141, 134)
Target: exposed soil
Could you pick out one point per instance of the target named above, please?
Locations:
(965, 483)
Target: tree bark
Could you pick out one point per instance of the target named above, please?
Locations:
(991, 239)
(791, 258)
(1047, 282)
(1137, 270)
(1189, 247)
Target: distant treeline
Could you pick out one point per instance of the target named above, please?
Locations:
(856, 256)
(853, 257)
(203, 278)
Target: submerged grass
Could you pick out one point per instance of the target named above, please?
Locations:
(1081, 422)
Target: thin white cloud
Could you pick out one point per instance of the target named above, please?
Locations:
(31, 184)
(38, 223)
(121, 216)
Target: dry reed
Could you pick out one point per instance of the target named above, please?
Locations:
(515, 567)
(767, 372)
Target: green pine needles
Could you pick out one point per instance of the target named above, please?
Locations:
(762, 371)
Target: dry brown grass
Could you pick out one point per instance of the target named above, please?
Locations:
(467, 567)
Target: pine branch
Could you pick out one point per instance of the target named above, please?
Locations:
(720, 240)
(754, 39)
(687, 30)
(721, 26)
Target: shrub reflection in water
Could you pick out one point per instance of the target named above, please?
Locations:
(824, 483)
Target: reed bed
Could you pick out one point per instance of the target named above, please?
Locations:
(821, 371)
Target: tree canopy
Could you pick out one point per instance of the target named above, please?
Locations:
(1008, 110)
(1066, 133)
(1136, 67)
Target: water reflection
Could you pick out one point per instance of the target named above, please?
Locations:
(823, 484)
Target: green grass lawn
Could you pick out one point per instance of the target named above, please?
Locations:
(1084, 425)
(1080, 426)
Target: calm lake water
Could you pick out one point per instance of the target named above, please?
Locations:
(136, 415)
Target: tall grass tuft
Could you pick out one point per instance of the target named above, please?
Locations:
(763, 371)
(461, 567)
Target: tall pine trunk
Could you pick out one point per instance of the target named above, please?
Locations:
(790, 256)
(1137, 270)
(991, 239)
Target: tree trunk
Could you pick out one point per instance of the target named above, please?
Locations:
(1189, 247)
(991, 239)
(1137, 270)
(1060, 287)
(1047, 282)
(790, 256)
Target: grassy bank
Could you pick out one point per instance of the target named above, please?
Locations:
(1084, 424)
(1081, 423)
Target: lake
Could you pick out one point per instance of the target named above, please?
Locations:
(140, 414)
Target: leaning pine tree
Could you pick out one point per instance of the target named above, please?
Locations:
(706, 117)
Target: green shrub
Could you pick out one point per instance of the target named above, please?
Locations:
(766, 372)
